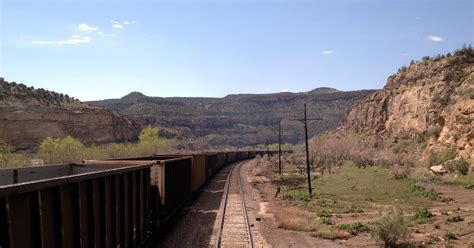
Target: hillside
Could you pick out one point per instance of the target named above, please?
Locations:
(430, 102)
(236, 120)
(29, 115)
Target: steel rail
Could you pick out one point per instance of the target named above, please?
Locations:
(244, 208)
(223, 211)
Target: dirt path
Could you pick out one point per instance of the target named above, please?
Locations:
(261, 209)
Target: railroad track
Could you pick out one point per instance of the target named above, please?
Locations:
(233, 227)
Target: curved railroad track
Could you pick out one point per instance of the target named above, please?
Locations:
(234, 228)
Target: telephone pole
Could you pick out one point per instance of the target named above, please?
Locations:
(279, 147)
(268, 150)
(305, 121)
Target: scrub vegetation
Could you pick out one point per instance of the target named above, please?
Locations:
(69, 149)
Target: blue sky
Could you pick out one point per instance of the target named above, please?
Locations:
(106, 49)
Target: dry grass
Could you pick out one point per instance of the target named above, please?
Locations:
(291, 218)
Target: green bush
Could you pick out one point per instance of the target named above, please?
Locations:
(457, 165)
(354, 228)
(6, 151)
(450, 236)
(442, 157)
(423, 214)
(467, 93)
(63, 150)
(469, 186)
(327, 221)
(391, 227)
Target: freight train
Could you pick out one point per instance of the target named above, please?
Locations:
(102, 203)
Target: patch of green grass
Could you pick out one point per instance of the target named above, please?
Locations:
(296, 196)
(413, 186)
(354, 228)
(352, 187)
(354, 190)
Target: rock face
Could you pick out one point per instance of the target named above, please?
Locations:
(431, 101)
(27, 116)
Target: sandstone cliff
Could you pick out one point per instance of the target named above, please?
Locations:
(28, 115)
(431, 101)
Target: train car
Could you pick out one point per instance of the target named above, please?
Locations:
(230, 157)
(211, 164)
(171, 182)
(220, 159)
(100, 203)
(75, 205)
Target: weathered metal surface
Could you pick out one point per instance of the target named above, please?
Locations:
(211, 164)
(79, 210)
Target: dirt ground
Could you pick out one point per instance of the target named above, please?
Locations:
(264, 207)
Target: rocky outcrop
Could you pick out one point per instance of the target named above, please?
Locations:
(431, 101)
(27, 117)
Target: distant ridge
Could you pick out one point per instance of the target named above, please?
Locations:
(238, 119)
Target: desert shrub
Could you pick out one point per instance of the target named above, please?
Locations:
(448, 154)
(467, 93)
(442, 99)
(423, 213)
(457, 165)
(432, 239)
(354, 228)
(454, 219)
(391, 228)
(400, 171)
(327, 221)
(450, 236)
(434, 131)
(329, 153)
(6, 151)
(469, 186)
(363, 159)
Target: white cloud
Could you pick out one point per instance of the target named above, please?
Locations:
(435, 38)
(86, 28)
(327, 52)
(267, 90)
(74, 40)
(120, 25)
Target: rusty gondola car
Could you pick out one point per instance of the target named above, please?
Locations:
(101, 203)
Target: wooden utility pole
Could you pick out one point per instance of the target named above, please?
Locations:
(305, 121)
(268, 150)
(279, 147)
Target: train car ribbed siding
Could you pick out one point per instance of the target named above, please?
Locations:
(79, 210)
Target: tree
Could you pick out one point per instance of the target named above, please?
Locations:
(150, 142)
(6, 151)
(63, 150)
